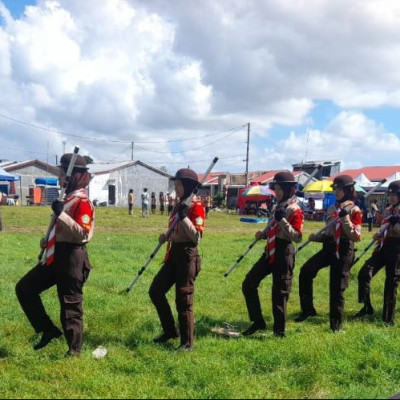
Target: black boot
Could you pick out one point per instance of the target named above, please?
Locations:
(185, 348)
(366, 310)
(164, 337)
(304, 315)
(72, 353)
(257, 326)
(47, 337)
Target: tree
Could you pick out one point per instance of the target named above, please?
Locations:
(219, 200)
(89, 160)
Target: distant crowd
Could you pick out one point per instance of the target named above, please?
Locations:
(165, 202)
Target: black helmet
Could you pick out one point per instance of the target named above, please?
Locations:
(394, 187)
(80, 163)
(186, 173)
(285, 178)
(342, 181)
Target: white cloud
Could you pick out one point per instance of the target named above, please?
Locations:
(350, 137)
(147, 71)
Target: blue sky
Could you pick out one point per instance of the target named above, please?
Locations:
(17, 7)
(155, 74)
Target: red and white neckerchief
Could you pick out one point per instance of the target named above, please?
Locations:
(338, 225)
(271, 234)
(382, 240)
(273, 231)
(338, 230)
(51, 242)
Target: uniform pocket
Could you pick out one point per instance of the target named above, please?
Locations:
(86, 271)
(198, 265)
(87, 267)
(73, 306)
(344, 280)
(286, 285)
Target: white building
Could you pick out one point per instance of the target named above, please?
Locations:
(110, 183)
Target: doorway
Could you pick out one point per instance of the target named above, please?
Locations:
(111, 195)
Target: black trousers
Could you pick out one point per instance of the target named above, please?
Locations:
(69, 272)
(388, 256)
(282, 275)
(181, 270)
(338, 278)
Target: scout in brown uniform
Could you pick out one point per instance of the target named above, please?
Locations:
(181, 264)
(278, 258)
(337, 252)
(67, 265)
(387, 253)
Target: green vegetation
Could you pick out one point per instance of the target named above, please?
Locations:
(311, 362)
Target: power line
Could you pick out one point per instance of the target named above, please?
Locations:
(193, 162)
(111, 140)
(187, 151)
(27, 151)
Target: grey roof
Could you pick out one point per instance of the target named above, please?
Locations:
(98, 169)
(23, 164)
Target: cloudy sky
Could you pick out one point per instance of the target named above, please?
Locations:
(316, 80)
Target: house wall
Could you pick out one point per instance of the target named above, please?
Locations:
(135, 177)
(28, 176)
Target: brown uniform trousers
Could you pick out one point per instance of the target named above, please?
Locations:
(181, 269)
(389, 255)
(282, 275)
(338, 278)
(69, 273)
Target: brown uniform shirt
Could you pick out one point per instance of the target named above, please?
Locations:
(190, 229)
(393, 231)
(290, 227)
(351, 223)
(76, 223)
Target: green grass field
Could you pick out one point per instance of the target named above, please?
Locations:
(311, 362)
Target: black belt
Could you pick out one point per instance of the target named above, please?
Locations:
(70, 245)
(283, 241)
(184, 244)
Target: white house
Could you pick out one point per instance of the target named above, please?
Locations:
(110, 183)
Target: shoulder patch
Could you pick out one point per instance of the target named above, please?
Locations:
(199, 221)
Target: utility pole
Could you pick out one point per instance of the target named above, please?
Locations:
(133, 145)
(247, 153)
(64, 143)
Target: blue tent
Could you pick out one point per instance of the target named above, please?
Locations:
(5, 176)
(47, 181)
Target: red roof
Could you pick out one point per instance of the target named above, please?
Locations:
(372, 173)
(269, 176)
(212, 178)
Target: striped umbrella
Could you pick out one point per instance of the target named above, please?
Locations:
(258, 190)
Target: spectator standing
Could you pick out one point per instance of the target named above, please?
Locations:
(131, 200)
(145, 203)
(371, 215)
(153, 202)
(208, 203)
(170, 203)
(162, 203)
